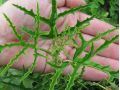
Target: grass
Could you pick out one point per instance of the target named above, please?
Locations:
(24, 80)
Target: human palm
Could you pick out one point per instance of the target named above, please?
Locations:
(108, 57)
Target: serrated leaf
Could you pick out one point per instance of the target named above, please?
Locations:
(71, 11)
(26, 11)
(79, 26)
(99, 36)
(31, 13)
(13, 27)
(29, 31)
(106, 44)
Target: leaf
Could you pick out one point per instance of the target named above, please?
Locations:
(80, 26)
(71, 11)
(106, 44)
(101, 1)
(31, 13)
(13, 27)
(90, 63)
(9, 45)
(85, 44)
(27, 30)
(26, 11)
(99, 36)
(36, 39)
(28, 83)
(113, 75)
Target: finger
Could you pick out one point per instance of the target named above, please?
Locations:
(114, 64)
(69, 3)
(18, 18)
(111, 52)
(66, 20)
(15, 16)
(94, 74)
(97, 26)
(89, 74)
(60, 3)
(25, 60)
(75, 3)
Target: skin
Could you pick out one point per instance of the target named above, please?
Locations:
(108, 57)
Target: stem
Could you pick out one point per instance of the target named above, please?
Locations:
(13, 27)
(56, 76)
(36, 37)
(72, 78)
(53, 18)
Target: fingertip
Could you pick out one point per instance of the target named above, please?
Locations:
(71, 20)
(94, 74)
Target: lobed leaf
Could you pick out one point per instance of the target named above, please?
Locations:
(31, 13)
(71, 11)
(106, 44)
(13, 27)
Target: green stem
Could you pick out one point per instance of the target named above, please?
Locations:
(56, 76)
(72, 78)
(53, 18)
(36, 37)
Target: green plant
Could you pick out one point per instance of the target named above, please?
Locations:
(59, 40)
(107, 11)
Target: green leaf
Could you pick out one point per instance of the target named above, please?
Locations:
(26, 11)
(31, 13)
(28, 83)
(77, 28)
(99, 36)
(28, 30)
(106, 44)
(9, 45)
(13, 27)
(71, 11)
(101, 1)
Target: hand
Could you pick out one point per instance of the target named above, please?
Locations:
(108, 57)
